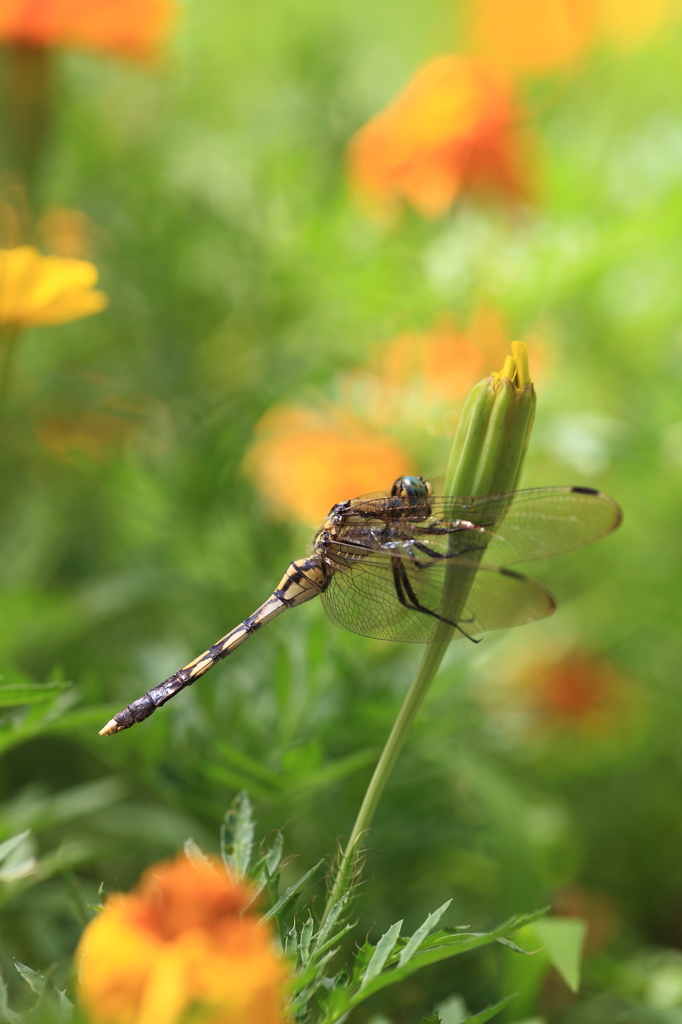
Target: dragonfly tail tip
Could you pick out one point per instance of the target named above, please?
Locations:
(110, 728)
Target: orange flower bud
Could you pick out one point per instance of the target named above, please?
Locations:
(131, 27)
(180, 944)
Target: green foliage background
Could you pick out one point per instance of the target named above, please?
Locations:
(240, 273)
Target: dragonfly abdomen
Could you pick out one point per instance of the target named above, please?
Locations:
(303, 580)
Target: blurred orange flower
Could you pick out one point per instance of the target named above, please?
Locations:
(134, 28)
(37, 290)
(455, 126)
(532, 35)
(542, 35)
(416, 381)
(629, 23)
(445, 361)
(66, 232)
(575, 692)
(97, 435)
(304, 462)
(180, 944)
(579, 690)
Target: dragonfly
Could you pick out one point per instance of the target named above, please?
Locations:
(410, 565)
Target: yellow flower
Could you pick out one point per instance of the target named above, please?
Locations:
(180, 946)
(37, 290)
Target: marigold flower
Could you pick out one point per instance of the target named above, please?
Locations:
(37, 290)
(543, 35)
(134, 28)
(455, 126)
(532, 35)
(304, 462)
(180, 945)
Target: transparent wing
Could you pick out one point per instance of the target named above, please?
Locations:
(391, 598)
(513, 527)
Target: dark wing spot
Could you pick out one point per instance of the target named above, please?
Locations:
(584, 490)
(510, 572)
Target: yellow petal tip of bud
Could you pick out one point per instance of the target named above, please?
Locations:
(110, 728)
(515, 366)
(520, 353)
(509, 368)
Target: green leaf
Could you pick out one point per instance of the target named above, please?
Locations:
(194, 852)
(236, 835)
(5, 1013)
(10, 845)
(15, 694)
(34, 979)
(289, 895)
(332, 918)
(291, 942)
(274, 854)
(306, 939)
(384, 948)
(438, 947)
(421, 933)
(490, 1011)
(564, 938)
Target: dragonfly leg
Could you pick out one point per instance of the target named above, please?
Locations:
(435, 555)
(407, 597)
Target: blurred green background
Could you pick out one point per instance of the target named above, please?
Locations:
(241, 274)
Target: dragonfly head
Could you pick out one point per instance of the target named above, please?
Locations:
(411, 487)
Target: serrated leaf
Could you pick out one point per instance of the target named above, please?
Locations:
(383, 950)
(194, 853)
(564, 938)
(34, 979)
(332, 918)
(449, 944)
(274, 854)
(64, 1004)
(236, 840)
(306, 939)
(291, 942)
(289, 895)
(416, 940)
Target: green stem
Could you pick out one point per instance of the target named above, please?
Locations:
(9, 335)
(486, 457)
(432, 658)
(27, 109)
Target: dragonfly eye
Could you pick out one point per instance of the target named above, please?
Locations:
(410, 487)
